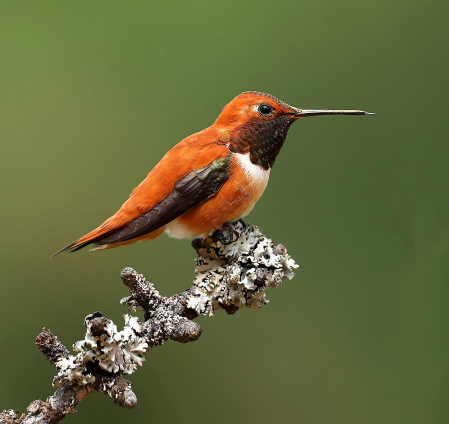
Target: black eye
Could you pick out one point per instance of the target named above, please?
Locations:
(265, 109)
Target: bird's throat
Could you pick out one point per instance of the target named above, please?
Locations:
(263, 140)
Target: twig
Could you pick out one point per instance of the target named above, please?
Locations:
(228, 276)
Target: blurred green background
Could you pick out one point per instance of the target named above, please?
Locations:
(92, 95)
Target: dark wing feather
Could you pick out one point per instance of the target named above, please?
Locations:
(191, 190)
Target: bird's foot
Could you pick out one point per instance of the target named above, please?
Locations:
(244, 225)
(229, 233)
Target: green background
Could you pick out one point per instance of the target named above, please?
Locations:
(92, 95)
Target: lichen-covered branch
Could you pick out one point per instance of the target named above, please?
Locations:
(229, 276)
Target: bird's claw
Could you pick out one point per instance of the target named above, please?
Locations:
(232, 233)
(244, 225)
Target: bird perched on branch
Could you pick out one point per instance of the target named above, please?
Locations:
(209, 179)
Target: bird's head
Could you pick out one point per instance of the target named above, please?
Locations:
(257, 123)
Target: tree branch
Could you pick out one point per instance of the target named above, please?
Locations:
(228, 276)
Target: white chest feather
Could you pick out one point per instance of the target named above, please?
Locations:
(257, 177)
(256, 174)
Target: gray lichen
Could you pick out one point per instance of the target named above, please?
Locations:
(115, 351)
(231, 276)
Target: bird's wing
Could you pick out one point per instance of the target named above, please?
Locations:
(191, 190)
(167, 193)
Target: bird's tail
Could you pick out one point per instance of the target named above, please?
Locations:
(90, 238)
(99, 238)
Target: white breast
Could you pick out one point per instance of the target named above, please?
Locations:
(257, 177)
(256, 174)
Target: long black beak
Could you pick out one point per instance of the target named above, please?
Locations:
(312, 112)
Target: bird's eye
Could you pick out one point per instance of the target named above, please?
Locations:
(265, 109)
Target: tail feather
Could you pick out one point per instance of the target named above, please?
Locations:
(73, 247)
(97, 238)
(89, 238)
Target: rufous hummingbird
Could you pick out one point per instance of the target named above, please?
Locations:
(209, 179)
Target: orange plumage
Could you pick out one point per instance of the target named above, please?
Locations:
(210, 178)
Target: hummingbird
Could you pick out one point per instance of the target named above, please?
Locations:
(209, 179)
